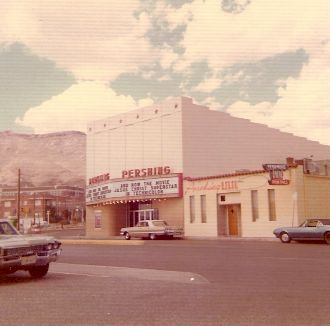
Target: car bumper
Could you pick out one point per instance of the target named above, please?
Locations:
(24, 262)
(174, 234)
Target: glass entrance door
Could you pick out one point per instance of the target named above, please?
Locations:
(136, 216)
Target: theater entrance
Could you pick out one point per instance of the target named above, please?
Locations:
(141, 212)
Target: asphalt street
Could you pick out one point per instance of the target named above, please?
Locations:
(177, 282)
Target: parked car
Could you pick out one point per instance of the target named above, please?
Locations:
(316, 229)
(151, 229)
(26, 252)
(39, 227)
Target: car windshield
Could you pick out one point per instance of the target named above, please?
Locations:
(7, 229)
(315, 222)
(159, 223)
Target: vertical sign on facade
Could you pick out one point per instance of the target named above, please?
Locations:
(98, 219)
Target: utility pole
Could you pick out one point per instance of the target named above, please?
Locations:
(18, 198)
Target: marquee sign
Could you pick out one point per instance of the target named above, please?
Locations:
(162, 186)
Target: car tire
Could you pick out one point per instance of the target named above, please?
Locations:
(152, 236)
(127, 236)
(327, 237)
(39, 271)
(285, 238)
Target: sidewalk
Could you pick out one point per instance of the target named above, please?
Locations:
(118, 240)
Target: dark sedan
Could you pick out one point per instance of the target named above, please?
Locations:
(310, 230)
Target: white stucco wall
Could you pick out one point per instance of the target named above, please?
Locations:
(142, 138)
(286, 207)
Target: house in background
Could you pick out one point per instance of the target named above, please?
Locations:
(46, 203)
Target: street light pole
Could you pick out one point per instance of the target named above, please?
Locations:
(56, 207)
(18, 198)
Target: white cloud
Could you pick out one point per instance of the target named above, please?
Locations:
(264, 29)
(98, 40)
(92, 39)
(208, 85)
(78, 105)
(304, 106)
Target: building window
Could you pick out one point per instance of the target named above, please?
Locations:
(271, 204)
(254, 202)
(37, 202)
(203, 208)
(25, 202)
(7, 204)
(192, 209)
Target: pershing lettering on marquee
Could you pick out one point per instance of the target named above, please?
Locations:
(99, 178)
(146, 172)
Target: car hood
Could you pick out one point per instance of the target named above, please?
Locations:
(8, 241)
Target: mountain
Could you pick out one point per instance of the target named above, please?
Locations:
(47, 159)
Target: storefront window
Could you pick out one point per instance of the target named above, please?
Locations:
(271, 204)
(254, 202)
(192, 209)
(203, 209)
(7, 204)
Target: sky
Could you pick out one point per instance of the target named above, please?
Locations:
(64, 63)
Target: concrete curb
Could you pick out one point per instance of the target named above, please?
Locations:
(119, 242)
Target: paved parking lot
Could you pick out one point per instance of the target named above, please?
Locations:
(183, 282)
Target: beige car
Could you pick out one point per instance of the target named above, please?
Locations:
(151, 229)
(26, 252)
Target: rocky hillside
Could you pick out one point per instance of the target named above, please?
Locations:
(47, 159)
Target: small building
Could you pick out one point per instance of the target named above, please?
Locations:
(146, 163)
(254, 203)
(44, 203)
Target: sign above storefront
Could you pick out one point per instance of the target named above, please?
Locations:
(276, 174)
(228, 185)
(278, 182)
(272, 167)
(146, 172)
(99, 179)
(164, 186)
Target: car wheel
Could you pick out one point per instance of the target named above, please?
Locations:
(152, 236)
(327, 237)
(127, 236)
(39, 271)
(285, 238)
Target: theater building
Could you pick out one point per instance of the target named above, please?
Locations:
(153, 162)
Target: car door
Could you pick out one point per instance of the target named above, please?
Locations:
(135, 231)
(309, 231)
(144, 229)
(319, 231)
